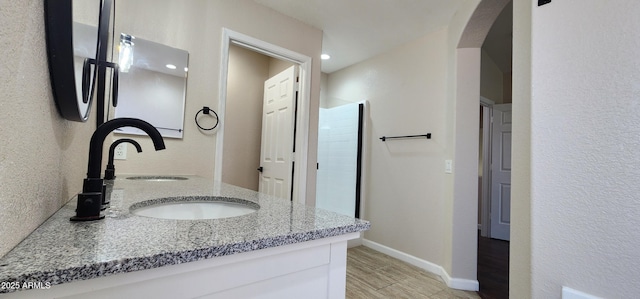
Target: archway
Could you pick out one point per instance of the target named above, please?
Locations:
(467, 95)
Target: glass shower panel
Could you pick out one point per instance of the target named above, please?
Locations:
(336, 187)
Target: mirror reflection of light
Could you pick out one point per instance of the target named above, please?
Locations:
(186, 69)
(171, 66)
(125, 53)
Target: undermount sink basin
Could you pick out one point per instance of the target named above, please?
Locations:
(157, 178)
(194, 208)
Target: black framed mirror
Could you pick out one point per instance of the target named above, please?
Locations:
(73, 49)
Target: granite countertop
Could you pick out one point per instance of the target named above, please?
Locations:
(62, 251)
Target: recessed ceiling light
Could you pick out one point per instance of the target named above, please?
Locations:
(171, 66)
(325, 56)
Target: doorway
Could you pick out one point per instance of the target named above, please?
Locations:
(248, 72)
(484, 168)
(276, 165)
(230, 38)
(501, 172)
(494, 175)
(493, 250)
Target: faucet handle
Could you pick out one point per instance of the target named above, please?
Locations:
(90, 202)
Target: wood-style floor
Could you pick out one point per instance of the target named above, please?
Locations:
(493, 268)
(373, 275)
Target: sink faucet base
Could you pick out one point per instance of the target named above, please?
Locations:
(77, 219)
(89, 205)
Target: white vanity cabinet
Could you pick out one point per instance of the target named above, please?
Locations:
(313, 269)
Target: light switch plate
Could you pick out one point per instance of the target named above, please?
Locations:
(448, 166)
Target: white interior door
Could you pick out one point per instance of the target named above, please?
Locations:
(501, 172)
(276, 154)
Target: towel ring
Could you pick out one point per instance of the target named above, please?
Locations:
(207, 110)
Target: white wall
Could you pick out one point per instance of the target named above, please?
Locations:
(43, 158)
(585, 136)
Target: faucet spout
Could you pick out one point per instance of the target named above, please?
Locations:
(92, 199)
(97, 141)
(109, 173)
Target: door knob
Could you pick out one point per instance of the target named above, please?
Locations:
(260, 168)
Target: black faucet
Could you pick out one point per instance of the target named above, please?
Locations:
(110, 171)
(93, 189)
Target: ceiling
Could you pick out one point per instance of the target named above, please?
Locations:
(356, 30)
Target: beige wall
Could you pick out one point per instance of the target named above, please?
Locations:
(405, 177)
(465, 190)
(43, 158)
(520, 245)
(196, 26)
(458, 235)
(276, 66)
(507, 88)
(491, 80)
(323, 90)
(245, 89)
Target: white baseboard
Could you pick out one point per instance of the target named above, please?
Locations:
(454, 283)
(460, 283)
